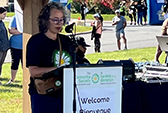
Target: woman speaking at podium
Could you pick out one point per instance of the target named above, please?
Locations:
(46, 51)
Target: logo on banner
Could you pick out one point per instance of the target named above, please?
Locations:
(95, 78)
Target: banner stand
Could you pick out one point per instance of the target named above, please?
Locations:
(154, 12)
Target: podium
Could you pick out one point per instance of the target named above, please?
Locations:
(128, 68)
(99, 88)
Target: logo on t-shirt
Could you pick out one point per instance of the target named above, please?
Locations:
(65, 58)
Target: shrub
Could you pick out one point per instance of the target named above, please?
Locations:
(75, 8)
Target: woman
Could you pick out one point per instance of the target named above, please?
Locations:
(98, 26)
(16, 48)
(44, 55)
(144, 8)
(83, 7)
(132, 13)
(4, 42)
(139, 13)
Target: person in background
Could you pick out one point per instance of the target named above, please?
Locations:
(81, 50)
(120, 23)
(139, 13)
(98, 31)
(122, 8)
(16, 48)
(144, 8)
(163, 32)
(94, 28)
(44, 55)
(132, 12)
(83, 7)
(4, 42)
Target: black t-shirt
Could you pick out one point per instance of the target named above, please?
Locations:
(139, 8)
(44, 52)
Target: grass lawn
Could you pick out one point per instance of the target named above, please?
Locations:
(10, 14)
(106, 17)
(11, 95)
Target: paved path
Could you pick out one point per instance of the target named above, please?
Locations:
(137, 37)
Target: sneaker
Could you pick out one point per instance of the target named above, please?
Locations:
(9, 82)
(135, 23)
(125, 48)
(131, 23)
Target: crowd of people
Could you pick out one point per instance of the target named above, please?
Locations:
(137, 11)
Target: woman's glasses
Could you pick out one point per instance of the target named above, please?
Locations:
(57, 21)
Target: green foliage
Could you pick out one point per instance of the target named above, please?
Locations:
(103, 9)
(116, 4)
(75, 7)
(93, 8)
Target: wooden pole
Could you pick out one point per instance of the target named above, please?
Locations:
(31, 9)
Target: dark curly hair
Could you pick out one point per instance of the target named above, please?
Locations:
(2, 10)
(43, 17)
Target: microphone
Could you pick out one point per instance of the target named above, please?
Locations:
(69, 28)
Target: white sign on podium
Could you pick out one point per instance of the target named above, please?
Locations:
(99, 89)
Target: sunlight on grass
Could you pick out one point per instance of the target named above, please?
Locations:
(10, 14)
(106, 17)
(11, 95)
(135, 54)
